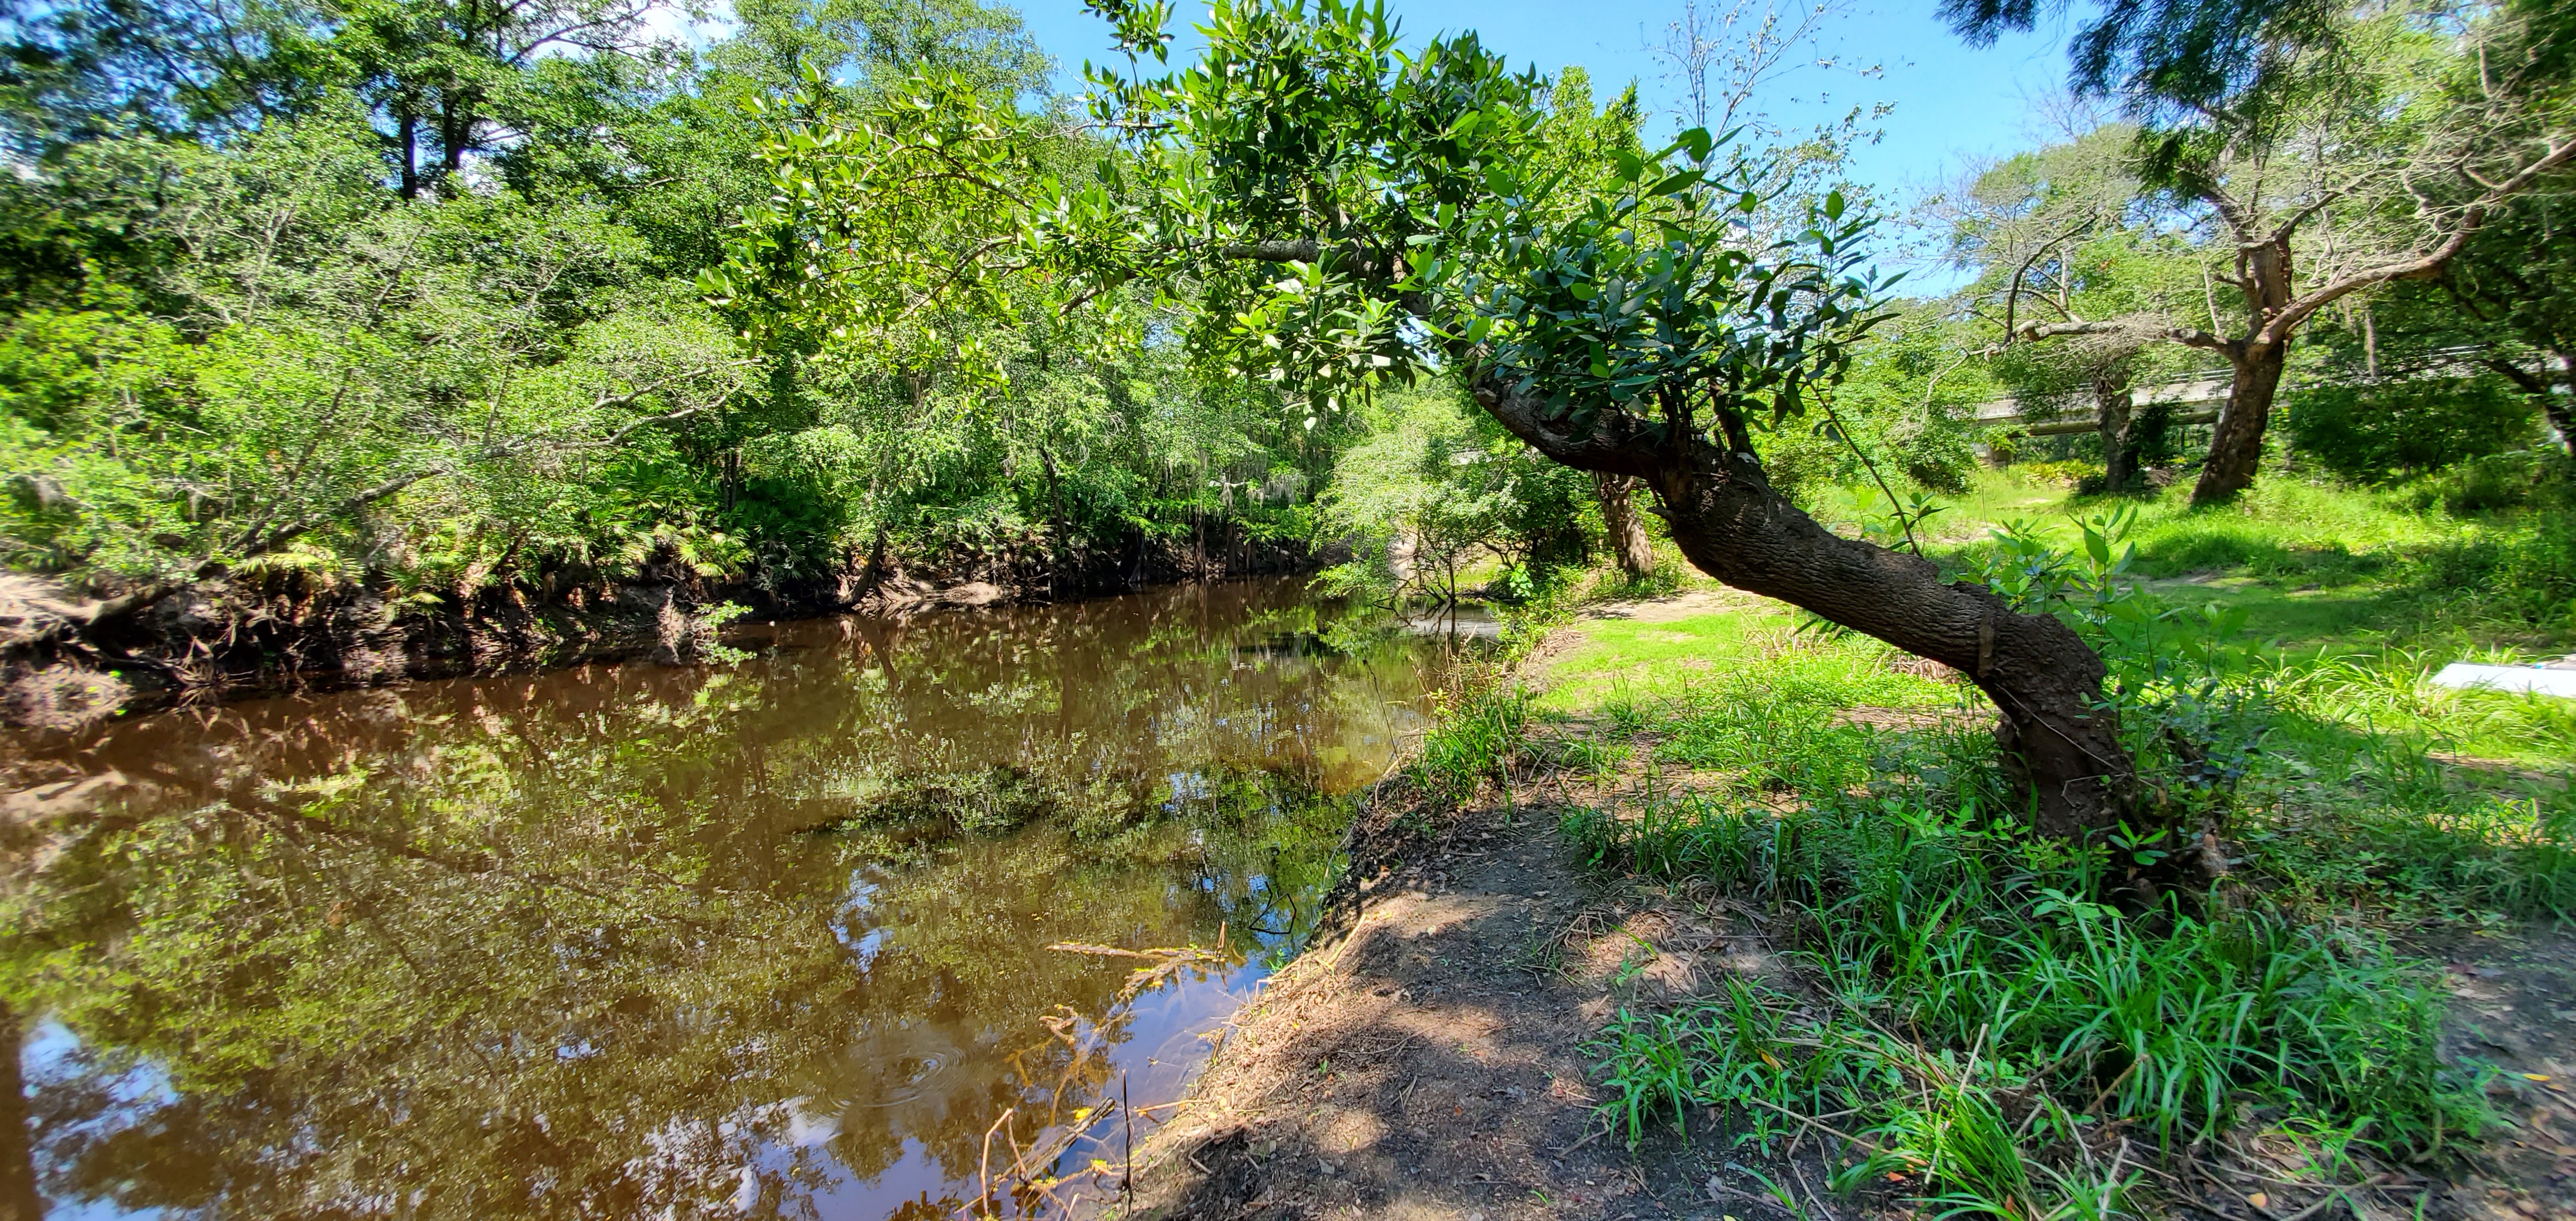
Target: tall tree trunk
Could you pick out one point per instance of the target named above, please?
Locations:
(1628, 542)
(18, 1198)
(2558, 407)
(2056, 736)
(454, 132)
(407, 134)
(2236, 445)
(2112, 398)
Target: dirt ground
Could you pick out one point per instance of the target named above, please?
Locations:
(1431, 1065)
(2514, 1007)
(1431, 1062)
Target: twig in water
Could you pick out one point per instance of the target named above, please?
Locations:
(984, 1164)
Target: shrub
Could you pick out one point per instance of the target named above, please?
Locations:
(2377, 430)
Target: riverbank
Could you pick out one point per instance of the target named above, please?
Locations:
(1543, 974)
(294, 629)
(822, 928)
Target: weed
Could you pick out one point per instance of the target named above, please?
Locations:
(2033, 1013)
(1476, 731)
(2037, 1018)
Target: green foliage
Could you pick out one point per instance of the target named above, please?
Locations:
(2529, 577)
(1437, 485)
(1476, 732)
(222, 350)
(1969, 1001)
(1641, 300)
(282, 354)
(1904, 407)
(2376, 431)
(1596, 276)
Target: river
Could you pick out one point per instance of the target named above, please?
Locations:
(776, 938)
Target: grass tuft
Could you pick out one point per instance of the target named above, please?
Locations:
(1969, 1010)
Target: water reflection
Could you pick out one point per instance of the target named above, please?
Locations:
(765, 941)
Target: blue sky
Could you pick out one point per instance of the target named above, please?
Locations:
(1952, 104)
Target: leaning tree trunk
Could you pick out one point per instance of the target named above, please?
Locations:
(1628, 541)
(2056, 734)
(2236, 445)
(2111, 397)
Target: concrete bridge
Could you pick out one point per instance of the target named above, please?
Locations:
(2195, 400)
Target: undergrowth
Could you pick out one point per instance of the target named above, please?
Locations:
(1480, 718)
(2024, 1001)
(1999, 1019)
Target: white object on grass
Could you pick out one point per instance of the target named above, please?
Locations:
(2508, 678)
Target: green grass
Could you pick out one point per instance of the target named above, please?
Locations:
(1619, 657)
(2322, 564)
(1989, 1007)
(1476, 729)
(2035, 1020)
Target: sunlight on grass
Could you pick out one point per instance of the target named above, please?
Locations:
(1618, 654)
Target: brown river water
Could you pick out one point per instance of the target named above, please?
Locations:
(768, 939)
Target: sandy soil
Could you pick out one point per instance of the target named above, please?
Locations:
(1431, 1064)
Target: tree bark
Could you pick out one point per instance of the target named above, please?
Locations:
(2236, 445)
(407, 134)
(2056, 736)
(451, 139)
(2112, 398)
(1628, 542)
(1058, 535)
(2543, 389)
(2562, 413)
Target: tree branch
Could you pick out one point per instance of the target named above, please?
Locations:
(1617, 444)
(2425, 265)
(2188, 336)
(2422, 266)
(1301, 250)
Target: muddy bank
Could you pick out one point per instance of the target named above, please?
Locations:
(63, 664)
(1430, 1064)
(1436, 1062)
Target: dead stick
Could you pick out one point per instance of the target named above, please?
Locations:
(984, 1163)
